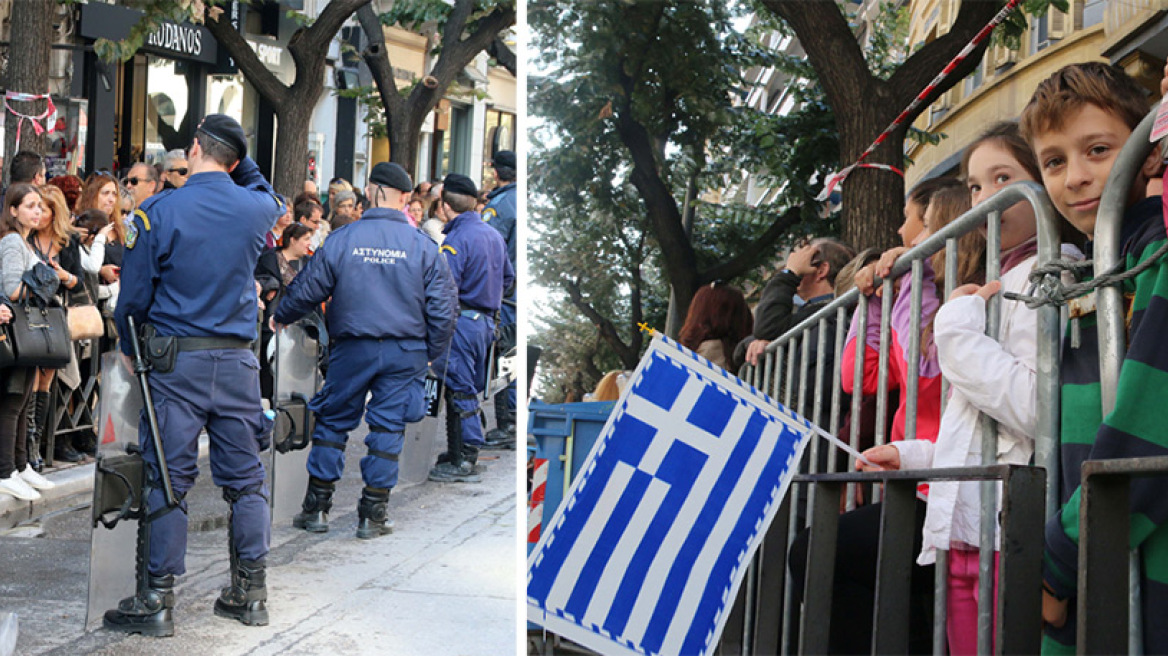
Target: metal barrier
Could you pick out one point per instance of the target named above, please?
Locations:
(781, 354)
(1108, 606)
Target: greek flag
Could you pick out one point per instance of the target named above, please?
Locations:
(646, 553)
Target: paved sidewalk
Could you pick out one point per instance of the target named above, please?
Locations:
(444, 583)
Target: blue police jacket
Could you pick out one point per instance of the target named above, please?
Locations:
(500, 213)
(478, 261)
(189, 264)
(386, 280)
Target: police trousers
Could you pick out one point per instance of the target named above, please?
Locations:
(466, 370)
(393, 374)
(218, 389)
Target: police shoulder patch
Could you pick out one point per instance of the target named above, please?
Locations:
(447, 248)
(489, 213)
(131, 234)
(145, 219)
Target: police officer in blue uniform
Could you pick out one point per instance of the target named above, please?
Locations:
(478, 262)
(500, 214)
(392, 311)
(188, 273)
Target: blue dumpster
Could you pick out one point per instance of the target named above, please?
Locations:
(564, 435)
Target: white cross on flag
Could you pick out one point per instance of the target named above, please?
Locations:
(646, 553)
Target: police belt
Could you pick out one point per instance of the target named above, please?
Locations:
(473, 313)
(209, 343)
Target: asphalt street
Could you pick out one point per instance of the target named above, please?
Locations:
(445, 582)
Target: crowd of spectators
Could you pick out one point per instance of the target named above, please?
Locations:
(1066, 139)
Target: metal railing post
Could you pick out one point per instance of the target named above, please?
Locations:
(987, 582)
(1110, 312)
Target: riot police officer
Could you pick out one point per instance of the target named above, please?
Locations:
(392, 311)
(478, 262)
(190, 257)
(500, 214)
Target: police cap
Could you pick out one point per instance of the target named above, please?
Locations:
(389, 174)
(226, 130)
(459, 184)
(504, 158)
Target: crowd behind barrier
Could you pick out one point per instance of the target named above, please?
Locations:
(61, 415)
(768, 616)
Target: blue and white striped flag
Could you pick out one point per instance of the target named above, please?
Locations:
(646, 553)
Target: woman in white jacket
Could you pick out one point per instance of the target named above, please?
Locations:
(997, 378)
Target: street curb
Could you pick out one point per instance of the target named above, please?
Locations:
(71, 483)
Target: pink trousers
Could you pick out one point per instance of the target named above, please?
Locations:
(963, 596)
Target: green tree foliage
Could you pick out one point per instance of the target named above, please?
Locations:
(639, 103)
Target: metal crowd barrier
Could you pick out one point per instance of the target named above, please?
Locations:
(1108, 605)
(782, 353)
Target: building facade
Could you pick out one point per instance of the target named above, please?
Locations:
(111, 115)
(1132, 34)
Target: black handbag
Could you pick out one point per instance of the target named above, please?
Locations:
(40, 334)
(7, 355)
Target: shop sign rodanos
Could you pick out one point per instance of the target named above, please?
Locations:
(185, 39)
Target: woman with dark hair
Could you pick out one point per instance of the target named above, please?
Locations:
(274, 272)
(718, 319)
(22, 215)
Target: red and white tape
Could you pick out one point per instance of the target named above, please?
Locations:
(49, 115)
(836, 178)
(535, 505)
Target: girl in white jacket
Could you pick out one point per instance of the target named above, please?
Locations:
(986, 376)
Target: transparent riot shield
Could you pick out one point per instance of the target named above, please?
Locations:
(424, 441)
(117, 491)
(297, 379)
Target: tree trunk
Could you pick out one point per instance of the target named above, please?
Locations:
(28, 72)
(291, 163)
(873, 199)
(405, 135)
(309, 48)
(873, 205)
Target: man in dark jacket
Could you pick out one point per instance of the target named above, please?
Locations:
(802, 288)
(392, 311)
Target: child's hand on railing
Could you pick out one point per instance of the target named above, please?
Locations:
(986, 291)
(884, 458)
(865, 279)
(889, 258)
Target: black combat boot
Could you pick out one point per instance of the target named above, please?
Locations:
(372, 511)
(246, 599)
(502, 436)
(318, 501)
(148, 612)
(452, 465)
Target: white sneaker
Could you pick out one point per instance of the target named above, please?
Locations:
(16, 486)
(35, 480)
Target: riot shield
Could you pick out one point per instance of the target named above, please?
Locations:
(424, 441)
(296, 381)
(117, 491)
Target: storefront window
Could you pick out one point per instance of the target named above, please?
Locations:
(498, 135)
(167, 104)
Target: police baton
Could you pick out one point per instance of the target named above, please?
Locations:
(141, 368)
